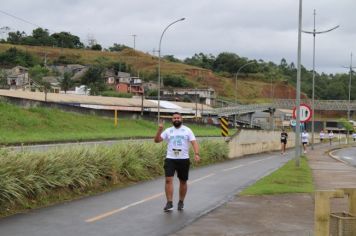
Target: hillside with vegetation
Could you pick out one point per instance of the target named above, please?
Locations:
(259, 81)
(36, 125)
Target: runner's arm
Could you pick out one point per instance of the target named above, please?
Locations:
(196, 150)
(158, 137)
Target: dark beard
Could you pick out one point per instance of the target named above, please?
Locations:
(177, 124)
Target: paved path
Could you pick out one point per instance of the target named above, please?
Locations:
(278, 215)
(138, 210)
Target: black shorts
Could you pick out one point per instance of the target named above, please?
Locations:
(284, 141)
(304, 143)
(179, 165)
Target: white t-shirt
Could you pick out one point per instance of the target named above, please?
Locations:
(354, 135)
(331, 135)
(178, 141)
(322, 135)
(305, 137)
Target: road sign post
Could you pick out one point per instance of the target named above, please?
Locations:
(305, 113)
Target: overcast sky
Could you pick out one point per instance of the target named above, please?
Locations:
(256, 29)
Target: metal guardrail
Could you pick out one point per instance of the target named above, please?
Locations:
(239, 109)
(326, 105)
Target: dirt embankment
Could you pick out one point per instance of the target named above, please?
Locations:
(280, 90)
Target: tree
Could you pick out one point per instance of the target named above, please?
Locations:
(230, 62)
(96, 47)
(348, 126)
(66, 83)
(176, 81)
(120, 67)
(14, 57)
(41, 37)
(36, 74)
(16, 37)
(171, 58)
(67, 40)
(118, 47)
(201, 60)
(94, 79)
(3, 78)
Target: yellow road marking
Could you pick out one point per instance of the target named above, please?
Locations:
(232, 168)
(107, 214)
(201, 178)
(110, 213)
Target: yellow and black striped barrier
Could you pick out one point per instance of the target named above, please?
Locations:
(224, 126)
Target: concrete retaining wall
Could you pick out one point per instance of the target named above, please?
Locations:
(256, 141)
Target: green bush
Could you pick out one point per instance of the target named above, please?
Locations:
(176, 81)
(116, 94)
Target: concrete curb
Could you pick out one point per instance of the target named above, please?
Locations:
(330, 153)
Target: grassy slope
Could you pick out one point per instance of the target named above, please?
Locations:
(19, 125)
(249, 91)
(288, 179)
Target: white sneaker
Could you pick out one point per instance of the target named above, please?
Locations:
(305, 151)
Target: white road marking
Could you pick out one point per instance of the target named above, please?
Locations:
(110, 213)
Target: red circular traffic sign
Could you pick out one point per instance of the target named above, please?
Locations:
(305, 112)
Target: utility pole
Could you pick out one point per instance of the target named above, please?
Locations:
(134, 40)
(314, 32)
(196, 105)
(349, 103)
(4, 30)
(297, 99)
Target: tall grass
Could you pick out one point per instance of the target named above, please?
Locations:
(31, 179)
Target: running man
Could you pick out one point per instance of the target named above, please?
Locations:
(305, 140)
(354, 136)
(322, 136)
(330, 136)
(177, 160)
(284, 137)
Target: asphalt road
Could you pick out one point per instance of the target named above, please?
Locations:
(138, 209)
(346, 154)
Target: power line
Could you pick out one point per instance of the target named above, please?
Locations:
(18, 18)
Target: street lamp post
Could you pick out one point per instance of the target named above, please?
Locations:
(159, 67)
(238, 71)
(314, 32)
(349, 103)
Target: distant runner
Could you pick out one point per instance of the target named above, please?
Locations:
(305, 140)
(330, 136)
(322, 136)
(284, 137)
(354, 136)
(177, 160)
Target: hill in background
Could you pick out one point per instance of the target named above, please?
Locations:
(251, 87)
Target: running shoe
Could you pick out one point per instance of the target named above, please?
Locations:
(168, 207)
(180, 205)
